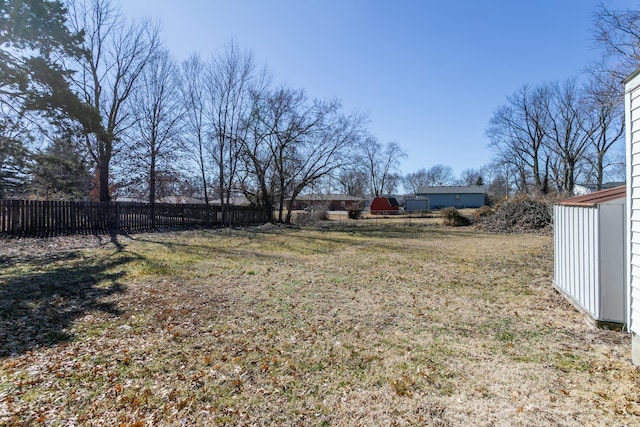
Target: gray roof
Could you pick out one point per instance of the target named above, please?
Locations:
(327, 197)
(453, 189)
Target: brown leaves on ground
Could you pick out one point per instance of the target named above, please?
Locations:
(383, 324)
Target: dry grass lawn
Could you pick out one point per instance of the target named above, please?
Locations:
(377, 324)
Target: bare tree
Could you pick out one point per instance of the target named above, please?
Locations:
(116, 51)
(440, 175)
(195, 131)
(470, 177)
(604, 124)
(157, 109)
(293, 143)
(415, 180)
(325, 150)
(567, 135)
(518, 131)
(231, 76)
(351, 180)
(381, 164)
(617, 33)
(258, 182)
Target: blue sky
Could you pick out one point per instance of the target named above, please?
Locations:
(429, 73)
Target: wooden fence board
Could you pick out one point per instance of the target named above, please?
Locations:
(46, 218)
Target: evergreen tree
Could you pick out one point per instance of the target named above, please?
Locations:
(13, 164)
(60, 172)
(33, 39)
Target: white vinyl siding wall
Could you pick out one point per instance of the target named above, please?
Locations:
(589, 261)
(632, 109)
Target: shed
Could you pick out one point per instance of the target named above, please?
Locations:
(416, 204)
(385, 205)
(589, 254)
(439, 197)
(632, 133)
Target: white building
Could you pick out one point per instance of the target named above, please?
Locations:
(589, 239)
(632, 118)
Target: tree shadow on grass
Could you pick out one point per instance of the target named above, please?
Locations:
(37, 307)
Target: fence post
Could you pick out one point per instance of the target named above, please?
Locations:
(15, 213)
(74, 213)
(117, 216)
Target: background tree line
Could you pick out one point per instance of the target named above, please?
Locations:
(92, 105)
(546, 137)
(549, 136)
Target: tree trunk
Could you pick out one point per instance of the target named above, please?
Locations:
(267, 206)
(152, 191)
(103, 178)
(536, 172)
(600, 170)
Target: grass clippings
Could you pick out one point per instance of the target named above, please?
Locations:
(376, 324)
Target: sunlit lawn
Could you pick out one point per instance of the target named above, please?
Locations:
(381, 323)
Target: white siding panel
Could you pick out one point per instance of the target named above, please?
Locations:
(635, 132)
(635, 124)
(635, 251)
(576, 265)
(634, 110)
(590, 258)
(632, 99)
(635, 149)
(635, 259)
(612, 270)
(588, 261)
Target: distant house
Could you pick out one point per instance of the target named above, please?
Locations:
(331, 202)
(452, 196)
(181, 200)
(584, 189)
(415, 204)
(234, 200)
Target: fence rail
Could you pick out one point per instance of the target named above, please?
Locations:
(46, 218)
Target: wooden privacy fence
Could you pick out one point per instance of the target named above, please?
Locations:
(44, 218)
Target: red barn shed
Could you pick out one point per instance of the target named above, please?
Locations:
(385, 206)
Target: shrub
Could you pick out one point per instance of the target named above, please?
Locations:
(311, 217)
(453, 217)
(355, 212)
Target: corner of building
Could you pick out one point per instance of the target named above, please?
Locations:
(635, 349)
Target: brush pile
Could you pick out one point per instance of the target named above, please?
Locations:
(521, 214)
